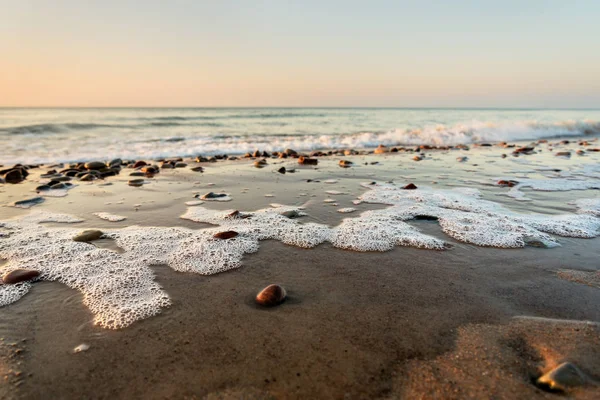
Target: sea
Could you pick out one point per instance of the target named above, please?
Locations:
(49, 135)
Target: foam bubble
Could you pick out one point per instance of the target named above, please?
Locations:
(110, 217)
(588, 206)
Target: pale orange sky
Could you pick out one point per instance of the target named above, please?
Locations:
(68, 53)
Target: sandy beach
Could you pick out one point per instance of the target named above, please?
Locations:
(467, 321)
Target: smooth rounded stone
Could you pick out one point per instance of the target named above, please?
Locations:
(281, 170)
(256, 153)
(290, 214)
(20, 275)
(149, 170)
(563, 154)
(350, 152)
(282, 155)
(506, 183)
(290, 152)
(562, 377)
(410, 186)
(418, 158)
(59, 185)
(13, 176)
(271, 296)
(81, 347)
(225, 235)
(381, 149)
(580, 152)
(135, 182)
(345, 163)
(88, 236)
(166, 165)
(503, 156)
(88, 177)
(42, 188)
(115, 162)
(212, 195)
(94, 165)
(28, 202)
(307, 161)
(260, 164)
(106, 174)
(139, 164)
(137, 173)
(197, 169)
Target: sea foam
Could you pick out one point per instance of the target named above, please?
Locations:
(119, 287)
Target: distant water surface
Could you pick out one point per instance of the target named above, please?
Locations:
(35, 135)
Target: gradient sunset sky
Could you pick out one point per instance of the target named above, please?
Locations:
(526, 53)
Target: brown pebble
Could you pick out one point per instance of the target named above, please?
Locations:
(225, 235)
(281, 170)
(562, 377)
(507, 183)
(345, 163)
(20, 275)
(271, 296)
(139, 164)
(410, 186)
(307, 161)
(88, 236)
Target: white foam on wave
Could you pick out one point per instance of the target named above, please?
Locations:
(154, 147)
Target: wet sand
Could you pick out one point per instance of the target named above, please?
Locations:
(407, 323)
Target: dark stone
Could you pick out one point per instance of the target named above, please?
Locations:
(281, 170)
(345, 163)
(225, 235)
(212, 195)
(95, 165)
(135, 182)
(197, 169)
(137, 173)
(505, 183)
(13, 176)
(88, 236)
(410, 186)
(307, 161)
(29, 202)
(139, 164)
(20, 275)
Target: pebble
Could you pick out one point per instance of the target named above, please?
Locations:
(139, 164)
(307, 161)
(20, 275)
(81, 347)
(137, 173)
(212, 195)
(271, 296)
(13, 176)
(410, 186)
(88, 236)
(505, 183)
(28, 202)
(197, 169)
(345, 163)
(563, 154)
(381, 149)
(281, 170)
(225, 235)
(94, 165)
(136, 182)
(562, 377)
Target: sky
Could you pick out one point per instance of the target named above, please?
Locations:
(526, 53)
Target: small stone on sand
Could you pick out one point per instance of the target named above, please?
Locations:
(271, 296)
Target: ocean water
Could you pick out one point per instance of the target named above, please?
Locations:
(34, 135)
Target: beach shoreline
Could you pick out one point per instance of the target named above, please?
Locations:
(355, 325)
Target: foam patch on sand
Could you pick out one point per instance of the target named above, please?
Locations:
(549, 185)
(588, 206)
(465, 216)
(110, 217)
(119, 288)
